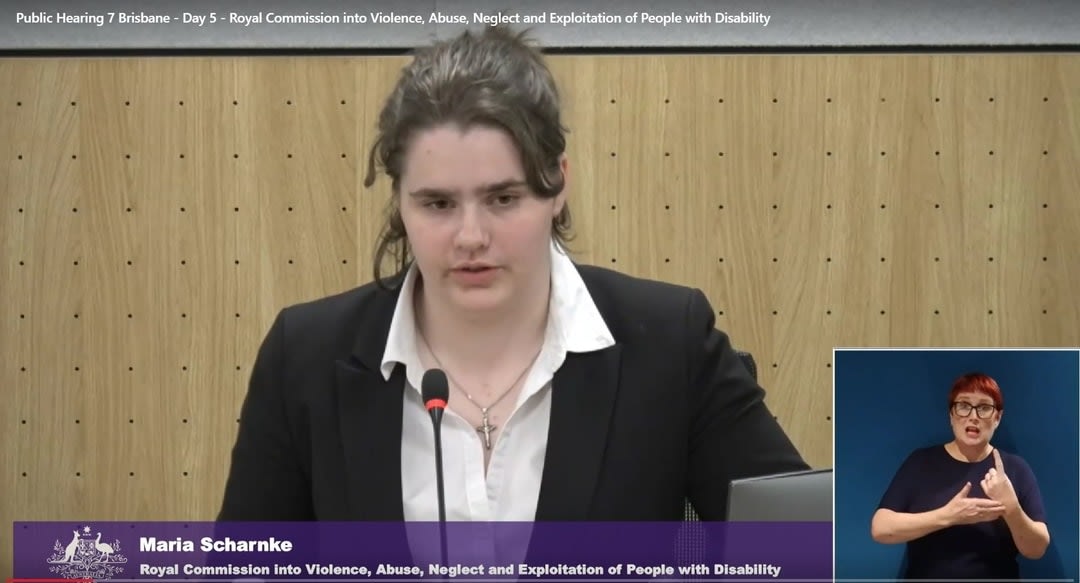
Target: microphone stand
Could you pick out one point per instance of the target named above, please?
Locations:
(436, 415)
(435, 390)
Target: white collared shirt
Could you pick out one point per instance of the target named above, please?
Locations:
(510, 490)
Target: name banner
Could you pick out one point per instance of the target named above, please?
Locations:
(407, 551)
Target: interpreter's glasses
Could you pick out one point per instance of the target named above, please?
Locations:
(963, 409)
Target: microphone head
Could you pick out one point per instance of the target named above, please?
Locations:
(435, 389)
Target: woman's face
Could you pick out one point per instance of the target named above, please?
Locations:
(479, 234)
(973, 430)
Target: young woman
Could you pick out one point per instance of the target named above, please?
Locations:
(576, 393)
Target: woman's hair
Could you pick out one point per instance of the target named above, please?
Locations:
(979, 383)
(495, 79)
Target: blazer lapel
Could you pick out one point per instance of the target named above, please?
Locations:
(370, 409)
(582, 399)
(370, 417)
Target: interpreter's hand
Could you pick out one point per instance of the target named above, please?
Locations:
(998, 486)
(964, 510)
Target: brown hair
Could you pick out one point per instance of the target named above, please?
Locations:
(495, 78)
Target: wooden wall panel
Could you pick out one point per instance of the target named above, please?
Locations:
(152, 230)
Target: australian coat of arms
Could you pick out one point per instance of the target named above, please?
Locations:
(86, 556)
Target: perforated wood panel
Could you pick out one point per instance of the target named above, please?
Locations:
(157, 213)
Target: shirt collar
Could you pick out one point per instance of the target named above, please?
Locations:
(574, 321)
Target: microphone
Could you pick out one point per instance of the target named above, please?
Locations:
(435, 390)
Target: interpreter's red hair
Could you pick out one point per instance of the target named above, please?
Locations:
(978, 383)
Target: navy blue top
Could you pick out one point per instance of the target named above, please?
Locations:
(927, 480)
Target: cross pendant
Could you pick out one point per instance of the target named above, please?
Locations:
(486, 428)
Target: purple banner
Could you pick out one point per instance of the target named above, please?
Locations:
(461, 551)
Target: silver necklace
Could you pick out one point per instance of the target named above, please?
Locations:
(485, 428)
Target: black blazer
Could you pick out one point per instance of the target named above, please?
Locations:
(667, 413)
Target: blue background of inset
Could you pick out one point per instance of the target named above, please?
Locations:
(891, 402)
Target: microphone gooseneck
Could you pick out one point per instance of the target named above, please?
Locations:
(435, 390)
